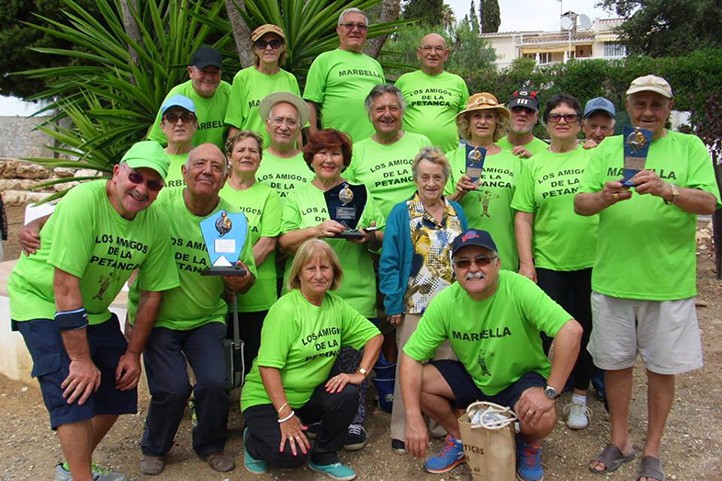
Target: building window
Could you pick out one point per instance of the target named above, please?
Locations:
(612, 49)
(545, 57)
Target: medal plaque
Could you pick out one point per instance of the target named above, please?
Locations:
(224, 234)
(345, 204)
(475, 157)
(636, 149)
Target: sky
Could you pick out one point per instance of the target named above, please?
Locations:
(532, 14)
(515, 15)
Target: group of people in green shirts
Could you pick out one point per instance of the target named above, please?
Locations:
(543, 252)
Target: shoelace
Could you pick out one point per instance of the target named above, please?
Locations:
(530, 453)
(355, 429)
(449, 446)
(573, 405)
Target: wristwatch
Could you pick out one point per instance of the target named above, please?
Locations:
(675, 194)
(550, 392)
(362, 371)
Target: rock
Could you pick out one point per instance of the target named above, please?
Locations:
(32, 171)
(87, 173)
(64, 172)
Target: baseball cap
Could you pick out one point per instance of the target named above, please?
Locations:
(264, 108)
(650, 83)
(207, 56)
(484, 101)
(524, 98)
(267, 28)
(147, 154)
(473, 237)
(600, 103)
(178, 101)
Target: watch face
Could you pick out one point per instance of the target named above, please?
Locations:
(550, 392)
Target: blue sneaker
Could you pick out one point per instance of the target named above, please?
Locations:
(528, 460)
(450, 456)
(336, 471)
(255, 466)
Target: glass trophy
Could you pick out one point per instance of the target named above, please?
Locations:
(224, 234)
(636, 149)
(345, 204)
(474, 162)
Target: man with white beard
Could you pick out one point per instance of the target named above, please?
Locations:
(492, 320)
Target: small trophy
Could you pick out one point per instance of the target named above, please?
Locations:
(345, 204)
(636, 149)
(474, 161)
(225, 234)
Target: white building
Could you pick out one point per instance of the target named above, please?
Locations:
(598, 41)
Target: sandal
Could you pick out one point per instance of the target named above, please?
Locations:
(611, 457)
(651, 468)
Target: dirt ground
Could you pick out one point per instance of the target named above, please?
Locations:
(690, 452)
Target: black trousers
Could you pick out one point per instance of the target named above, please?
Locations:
(334, 411)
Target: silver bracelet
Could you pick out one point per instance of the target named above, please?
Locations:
(283, 420)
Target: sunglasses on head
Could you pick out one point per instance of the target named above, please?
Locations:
(262, 44)
(186, 118)
(137, 178)
(481, 261)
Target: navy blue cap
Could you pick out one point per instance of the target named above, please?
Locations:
(473, 237)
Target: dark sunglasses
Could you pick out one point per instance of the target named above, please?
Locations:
(481, 261)
(185, 118)
(136, 178)
(568, 118)
(350, 26)
(262, 44)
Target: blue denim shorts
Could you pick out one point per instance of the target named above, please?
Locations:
(51, 366)
(466, 391)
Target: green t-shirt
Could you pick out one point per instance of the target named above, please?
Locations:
(175, 175)
(497, 339)
(199, 299)
(489, 206)
(263, 210)
(432, 102)
(386, 169)
(87, 238)
(339, 81)
(248, 89)
(211, 114)
(562, 239)
(647, 249)
(535, 146)
(306, 207)
(283, 175)
(302, 341)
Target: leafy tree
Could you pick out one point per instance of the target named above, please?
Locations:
(431, 11)
(668, 27)
(490, 16)
(473, 19)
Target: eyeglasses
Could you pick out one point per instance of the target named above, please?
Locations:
(186, 118)
(568, 118)
(262, 44)
(481, 261)
(350, 26)
(278, 121)
(435, 48)
(137, 178)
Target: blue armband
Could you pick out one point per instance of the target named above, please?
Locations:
(71, 320)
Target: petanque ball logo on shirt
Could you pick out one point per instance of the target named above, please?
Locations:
(345, 195)
(224, 224)
(636, 140)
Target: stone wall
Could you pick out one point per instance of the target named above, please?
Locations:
(19, 139)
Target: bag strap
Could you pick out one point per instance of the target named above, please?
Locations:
(509, 415)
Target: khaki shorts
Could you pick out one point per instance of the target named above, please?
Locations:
(665, 333)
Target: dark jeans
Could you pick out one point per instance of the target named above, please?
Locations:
(572, 290)
(249, 327)
(165, 366)
(334, 411)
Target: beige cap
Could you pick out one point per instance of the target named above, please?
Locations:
(267, 28)
(484, 101)
(264, 108)
(650, 83)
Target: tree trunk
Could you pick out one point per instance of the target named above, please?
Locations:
(131, 28)
(390, 10)
(241, 32)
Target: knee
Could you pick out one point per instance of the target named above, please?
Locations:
(542, 427)
(174, 390)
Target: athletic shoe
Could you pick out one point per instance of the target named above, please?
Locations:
(450, 456)
(152, 465)
(579, 415)
(99, 473)
(255, 466)
(398, 446)
(336, 471)
(528, 460)
(355, 438)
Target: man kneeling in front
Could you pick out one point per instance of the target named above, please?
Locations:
(492, 319)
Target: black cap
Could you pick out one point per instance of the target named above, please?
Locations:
(473, 237)
(207, 56)
(524, 98)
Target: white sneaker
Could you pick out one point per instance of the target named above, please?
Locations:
(579, 415)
